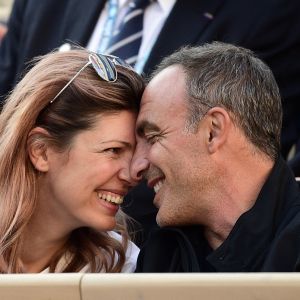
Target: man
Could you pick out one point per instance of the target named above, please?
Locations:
(208, 143)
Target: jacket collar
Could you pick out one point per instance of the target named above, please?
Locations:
(80, 30)
(184, 25)
(250, 239)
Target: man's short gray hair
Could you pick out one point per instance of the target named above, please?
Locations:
(231, 77)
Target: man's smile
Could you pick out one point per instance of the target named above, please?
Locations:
(158, 185)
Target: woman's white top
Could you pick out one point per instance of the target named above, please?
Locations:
(130, 260)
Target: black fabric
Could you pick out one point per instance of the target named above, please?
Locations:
(294, 164)
(138, 205)
(266, 238)
(177, 254)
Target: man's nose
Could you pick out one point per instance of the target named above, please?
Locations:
(124, 172)
(139, 163)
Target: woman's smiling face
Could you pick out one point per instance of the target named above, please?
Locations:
(85, 185)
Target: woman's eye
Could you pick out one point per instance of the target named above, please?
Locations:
(113, 150)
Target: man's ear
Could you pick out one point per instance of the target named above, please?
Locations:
(37, 148)
(218, 125)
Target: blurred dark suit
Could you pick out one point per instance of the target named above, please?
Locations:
(271, 28)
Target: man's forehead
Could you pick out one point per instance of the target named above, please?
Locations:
(163, 100)
(166, 88)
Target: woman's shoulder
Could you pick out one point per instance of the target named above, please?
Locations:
(132, 253)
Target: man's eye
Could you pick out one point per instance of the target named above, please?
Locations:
(151, 139)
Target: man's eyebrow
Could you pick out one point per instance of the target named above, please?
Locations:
(144, 126)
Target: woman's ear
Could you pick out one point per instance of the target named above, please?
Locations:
(218, 128)
(37, 148)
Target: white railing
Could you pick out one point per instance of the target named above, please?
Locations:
(218, 286)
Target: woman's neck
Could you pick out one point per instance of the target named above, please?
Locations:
(40, 243)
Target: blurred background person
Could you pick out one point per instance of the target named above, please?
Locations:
(3, 30)
(5, 7)
(66, 143)
(271, 28)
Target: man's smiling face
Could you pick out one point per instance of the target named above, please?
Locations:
(172, 159)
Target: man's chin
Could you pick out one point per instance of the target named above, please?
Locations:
(159, 220)
(164, 221)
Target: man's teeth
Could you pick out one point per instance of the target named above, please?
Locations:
(117, 199)
(157, 186)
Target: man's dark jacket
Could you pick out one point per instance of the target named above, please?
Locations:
(264, 239)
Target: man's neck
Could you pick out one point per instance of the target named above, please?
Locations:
(238, 192)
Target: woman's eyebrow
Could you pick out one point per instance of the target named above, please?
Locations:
(126, 144)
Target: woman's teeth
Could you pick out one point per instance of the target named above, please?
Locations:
(157, 186)
(116, 199)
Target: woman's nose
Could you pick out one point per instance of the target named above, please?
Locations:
(124, 171)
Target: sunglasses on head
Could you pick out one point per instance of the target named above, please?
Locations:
(105, 67)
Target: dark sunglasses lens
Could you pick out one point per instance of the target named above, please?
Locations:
(103, 66)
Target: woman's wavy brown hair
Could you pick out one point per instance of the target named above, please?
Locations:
(73, 111)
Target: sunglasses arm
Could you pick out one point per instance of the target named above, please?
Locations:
(70, 81)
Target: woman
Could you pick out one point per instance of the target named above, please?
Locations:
(66, 141)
